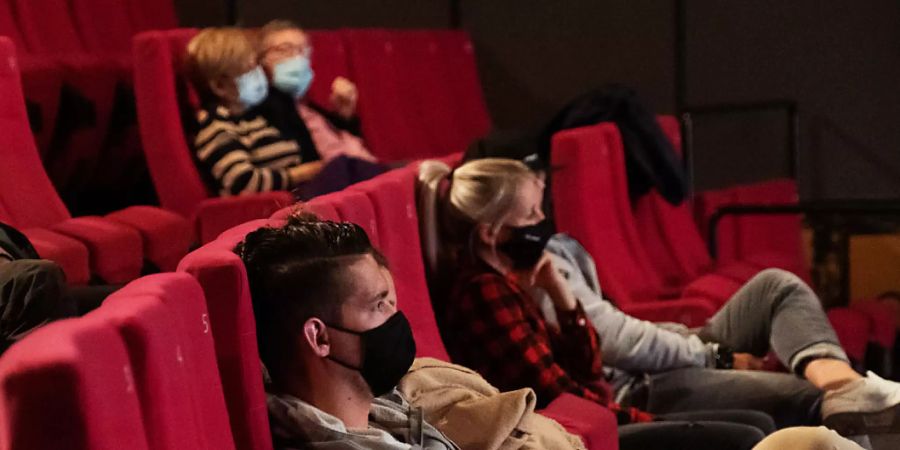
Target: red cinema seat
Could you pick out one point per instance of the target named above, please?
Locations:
(853, 329)
(329, 61)
(157, 83)
(671, 237)
(595, 424)
(355, 207)
(69, 385)
(322, 209)
(585, 197)
(166, 329)
(393, 197)
(418, 91)
(221, 274)
(68, 253)
(48, 29)
(152, 14)
(28, 198)
(104, 25)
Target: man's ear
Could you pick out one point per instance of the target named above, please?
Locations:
(315, 336)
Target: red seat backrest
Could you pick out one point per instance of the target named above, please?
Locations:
(669, 233)
(221, 274)
(152, 14)
(418, 91)
(584, 194)
(26, 192)
(181, 298)
(9, 27)
(393, 197)
(104, 25)
(777, 233)
(47, 26)
(329, 61)
(157, 65)
(356, 207)
(154, 345)
(69, 385)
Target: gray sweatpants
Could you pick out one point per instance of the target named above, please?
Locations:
(774, 310)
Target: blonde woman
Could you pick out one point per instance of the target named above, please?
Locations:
(485, 235)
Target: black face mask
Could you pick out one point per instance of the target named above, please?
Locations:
(388, 351)
(525, 245)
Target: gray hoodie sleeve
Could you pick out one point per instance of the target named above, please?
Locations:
(627, 343)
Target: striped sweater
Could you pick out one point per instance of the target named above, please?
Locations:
(243, 154)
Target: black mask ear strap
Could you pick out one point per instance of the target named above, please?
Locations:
(342, 329)
(338, 361)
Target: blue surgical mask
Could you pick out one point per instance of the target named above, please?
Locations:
(293, 76)
(252, 87)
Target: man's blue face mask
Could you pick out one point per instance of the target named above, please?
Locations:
(252, 87)
(293, 76)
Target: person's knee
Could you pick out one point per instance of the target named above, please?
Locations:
(41, 270)
(804, 438)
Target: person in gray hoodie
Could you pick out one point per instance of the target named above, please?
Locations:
(495, 209)
(332, 340)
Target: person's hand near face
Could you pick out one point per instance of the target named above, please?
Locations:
(343, 97)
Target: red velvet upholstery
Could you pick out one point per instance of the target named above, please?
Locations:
(152, 15)
(69, 385)
(393, 198)
(48, 29)
(221, 274)
(588, 191)
(30, 201)
(595, 424)
(179, 185)
(853, 329)
(68, 253)
(166, 236)
(154, 346)
(322, 209)
(355, 207)
(164, 324)
(104, 25)
(881, 320)
(329, 61)
(423, 83)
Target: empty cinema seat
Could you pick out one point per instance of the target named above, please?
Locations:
(30, 202)
(419, 94)
(69, 385)
(178, 183)
(161, 321)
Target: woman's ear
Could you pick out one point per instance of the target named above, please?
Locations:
(315, 337)
(487, 233)
(223, 88)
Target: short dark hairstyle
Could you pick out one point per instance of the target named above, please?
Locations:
(295, 273)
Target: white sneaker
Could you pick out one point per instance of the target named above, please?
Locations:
(866, 407)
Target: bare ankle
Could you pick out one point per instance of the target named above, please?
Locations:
(829, 374)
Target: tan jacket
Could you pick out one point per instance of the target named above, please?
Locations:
(475, 415)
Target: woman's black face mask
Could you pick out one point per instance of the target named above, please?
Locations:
(525, 245)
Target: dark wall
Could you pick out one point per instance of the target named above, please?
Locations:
(839, 60)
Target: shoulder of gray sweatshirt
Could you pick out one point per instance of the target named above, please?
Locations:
(628, 344)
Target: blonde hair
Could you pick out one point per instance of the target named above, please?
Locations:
(481, 191)
(216, 52)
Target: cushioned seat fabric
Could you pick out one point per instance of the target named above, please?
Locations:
(30, 201)
(81, 369)
(166, 236)
(422, 83)
(221, 274)
(852, 328)
(68, 253)
(115, 250)
(163, 322)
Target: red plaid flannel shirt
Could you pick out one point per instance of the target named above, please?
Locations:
(500, 332)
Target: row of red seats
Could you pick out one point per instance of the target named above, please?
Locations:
(111, 248)
(75, 56)
(419, 96)
(658, 259)
(150, 347)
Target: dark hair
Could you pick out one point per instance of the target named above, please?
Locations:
(296, 272)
